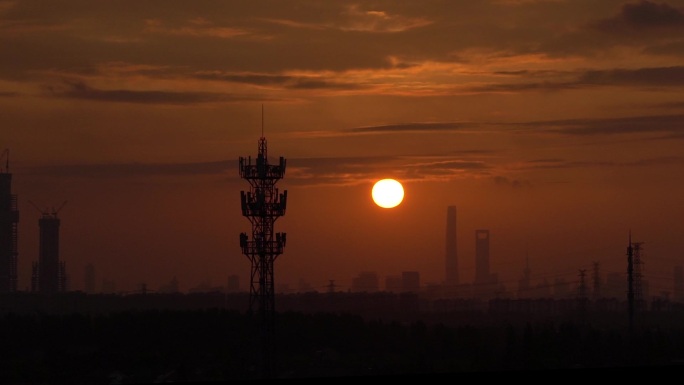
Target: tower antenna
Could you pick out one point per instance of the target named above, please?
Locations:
(262, 120)
(262, 205)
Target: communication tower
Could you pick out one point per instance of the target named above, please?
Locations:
(582, 288)
(263, 205)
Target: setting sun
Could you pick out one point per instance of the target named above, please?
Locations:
(387, 193)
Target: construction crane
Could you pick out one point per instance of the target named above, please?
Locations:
(46, 211)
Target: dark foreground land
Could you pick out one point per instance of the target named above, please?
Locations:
(217, 344)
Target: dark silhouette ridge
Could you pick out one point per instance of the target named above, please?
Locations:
(148, 338)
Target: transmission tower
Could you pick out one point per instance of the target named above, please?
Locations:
(596, 292)
(582, 288)
(634, 279)
(582, 295)
(262, 205)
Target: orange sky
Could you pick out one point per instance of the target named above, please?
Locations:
(557, 125)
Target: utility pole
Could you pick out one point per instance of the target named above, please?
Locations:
(596, 292)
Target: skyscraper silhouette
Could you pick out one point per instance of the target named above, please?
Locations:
(49, 274)
(451, 251)
(9, 217)
(482, 275)
(678, 277)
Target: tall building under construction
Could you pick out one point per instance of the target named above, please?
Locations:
(482, 256)
(49, 273)
(9, 219)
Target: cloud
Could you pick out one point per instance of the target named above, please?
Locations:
(618, 77)
(563, 163)
(412, 127)
(522, 87)
(118, 170)
(80, 90)
(672, 105)
(356, 170)
(389, 129)
(295, 24)
(311, 82)
(246, 77)
(668, 126)
(515, 183)
(300, 171)
(198, 27)
(660, 76)
(641, 16)
(340, 171)
(668, 48)
(612, 126)
(354, 19)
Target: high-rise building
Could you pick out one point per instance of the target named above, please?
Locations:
(678, 292)
(49, 275)
(9, 218)
(451, 251)
(482, 275)
(233, 285)
(366, 281)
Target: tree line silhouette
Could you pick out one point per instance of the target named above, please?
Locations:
(219, 344)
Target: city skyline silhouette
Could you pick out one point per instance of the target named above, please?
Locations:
(554, 128)
(664, 281)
